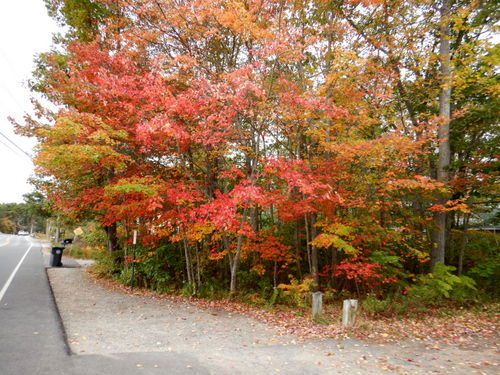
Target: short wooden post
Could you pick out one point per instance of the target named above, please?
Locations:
(349, 312)
(317, 304)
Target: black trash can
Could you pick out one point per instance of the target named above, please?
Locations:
(55, 256)
(68, 241)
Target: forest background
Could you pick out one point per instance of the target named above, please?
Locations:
(269, 148)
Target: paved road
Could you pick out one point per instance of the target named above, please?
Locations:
(31, 336)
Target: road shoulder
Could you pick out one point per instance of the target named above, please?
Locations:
(104, 322)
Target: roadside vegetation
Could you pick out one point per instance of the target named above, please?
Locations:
(29, 216)
(414, 297)
(259, 151)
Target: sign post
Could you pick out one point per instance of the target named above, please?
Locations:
(77, 232)
(134, 242)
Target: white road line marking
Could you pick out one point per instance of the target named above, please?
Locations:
(11, 277)
(7, 241)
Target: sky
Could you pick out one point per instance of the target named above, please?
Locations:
(26, 31)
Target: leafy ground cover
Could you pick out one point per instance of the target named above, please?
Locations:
(472, 328)
(103, 321)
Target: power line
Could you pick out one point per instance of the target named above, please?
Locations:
(16, 74)
(10, 148)
(16, 153)
(14, 99)
(15, 145)
(9, 63)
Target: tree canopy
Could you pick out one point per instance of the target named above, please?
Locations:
(273, 137)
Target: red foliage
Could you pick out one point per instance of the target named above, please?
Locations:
(367, 274)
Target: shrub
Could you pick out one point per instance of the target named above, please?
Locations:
(105, 266)
(393, 305)
(212, 289)
(155, 268)
(487, 274)
(442, 285)
(125, 276)
(365, 276)
(433, 289)
(374, 306)
(481, 259)
(274, 296)
(297, 293)
(93, 234)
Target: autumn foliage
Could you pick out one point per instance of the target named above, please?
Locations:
(260, 137)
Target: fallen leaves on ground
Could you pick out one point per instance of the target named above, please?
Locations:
(465, 328)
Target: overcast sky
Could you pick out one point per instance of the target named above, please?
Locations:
(26, 30)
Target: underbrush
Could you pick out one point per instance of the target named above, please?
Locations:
(441, 289)
(105, 267)
(79, 251)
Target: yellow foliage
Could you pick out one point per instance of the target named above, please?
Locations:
(199, 231)
(296, 288)
(259, 269)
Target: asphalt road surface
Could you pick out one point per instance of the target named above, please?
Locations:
(31, 336)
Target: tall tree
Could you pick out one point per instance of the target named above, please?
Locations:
(444, 153)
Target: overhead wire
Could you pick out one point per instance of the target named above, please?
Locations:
(10, 148)
(16, 74)
(15, 145)
(15, 100)
(9, 63)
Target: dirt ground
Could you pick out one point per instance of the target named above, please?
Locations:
(101, 321)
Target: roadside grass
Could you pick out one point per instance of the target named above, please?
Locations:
(80, 251)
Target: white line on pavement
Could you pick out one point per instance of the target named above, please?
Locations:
(6, 242)
(11, 277)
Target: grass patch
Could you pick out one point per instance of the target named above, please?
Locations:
(82, 252)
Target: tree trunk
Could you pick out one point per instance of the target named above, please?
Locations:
(58, 231)
(211, 166)
(335, 255)
(236, 259)
(189, 267)
(275, 275)
(48, 228)
(254, 218)
(314, 253)
(308, 246)
(198, 263)
(438, 251)
(463, 245)
(297, 248)
(112, 240)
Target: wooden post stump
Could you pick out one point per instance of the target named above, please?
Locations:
(317, 304)
(349, 312)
